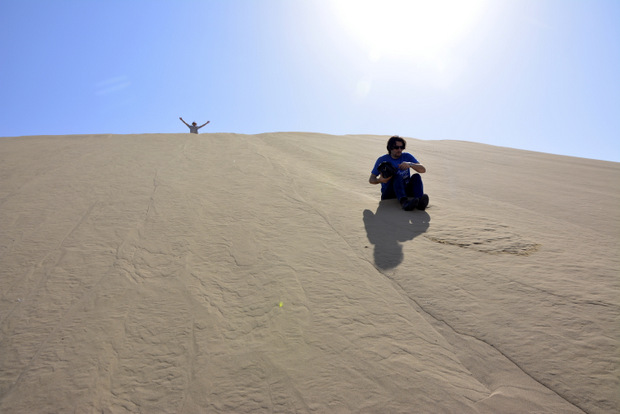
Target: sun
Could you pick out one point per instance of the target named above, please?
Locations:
(413, 29)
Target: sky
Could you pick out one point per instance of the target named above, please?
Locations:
(540, 75)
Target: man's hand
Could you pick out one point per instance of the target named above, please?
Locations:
(374, 179)
(416, 167)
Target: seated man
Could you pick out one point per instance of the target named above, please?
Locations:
(392, 172)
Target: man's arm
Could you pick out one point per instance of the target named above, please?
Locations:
(204, 124)
(416, 167)
(183, 121)
(374, 179)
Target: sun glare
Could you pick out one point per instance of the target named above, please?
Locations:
(413, 29)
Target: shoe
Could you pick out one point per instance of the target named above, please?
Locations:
(423, 203)
(411, 204)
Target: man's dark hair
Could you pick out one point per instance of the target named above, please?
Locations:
(392, 142)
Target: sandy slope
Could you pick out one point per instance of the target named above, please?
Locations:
(144, 273)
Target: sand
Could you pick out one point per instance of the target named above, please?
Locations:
(226, 273)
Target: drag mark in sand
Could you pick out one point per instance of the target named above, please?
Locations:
(471, 350)
(484, 236)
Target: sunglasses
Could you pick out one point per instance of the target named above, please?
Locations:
(400, 147)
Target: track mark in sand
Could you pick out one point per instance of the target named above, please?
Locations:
(130, 245)
(152, 199)
(65, 314)
(79, 223)
(484, 236)
(456, 336)
(551, 296)
(244, 250)
(44, 269)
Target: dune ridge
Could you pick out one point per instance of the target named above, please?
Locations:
(182, 273)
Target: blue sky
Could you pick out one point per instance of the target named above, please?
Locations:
(542, 75)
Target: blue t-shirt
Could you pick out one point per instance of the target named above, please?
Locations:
(404, 157)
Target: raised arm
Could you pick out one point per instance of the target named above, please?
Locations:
(204, 124)
(183, 121)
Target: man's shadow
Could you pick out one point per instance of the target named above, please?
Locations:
(390, 226)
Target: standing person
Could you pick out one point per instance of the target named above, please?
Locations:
(392, 172)
(193, 128)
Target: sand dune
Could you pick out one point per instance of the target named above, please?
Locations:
(224, 273)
